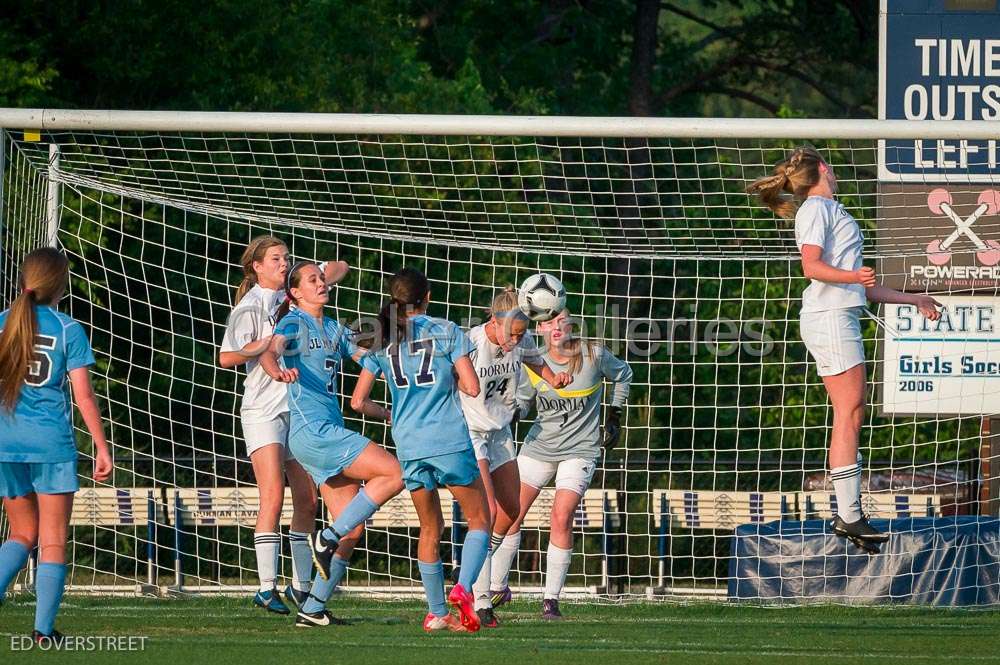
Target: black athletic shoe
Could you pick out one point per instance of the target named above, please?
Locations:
(54, 639)
(322, 553)
(317, 619)
(487, 619)
(860, 529)
(861, 533)
(295, 597)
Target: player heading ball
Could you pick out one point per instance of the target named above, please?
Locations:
(804, 186)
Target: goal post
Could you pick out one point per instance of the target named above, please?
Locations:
(646, 221)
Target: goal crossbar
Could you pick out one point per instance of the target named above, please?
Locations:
(492, 125)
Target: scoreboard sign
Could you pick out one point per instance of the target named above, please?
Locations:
(947, 366)
(938, 226)
(939, 60)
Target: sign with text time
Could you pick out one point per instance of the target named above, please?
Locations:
(945, 367)
(939, 60)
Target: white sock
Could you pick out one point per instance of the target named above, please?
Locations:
(481, 587)
(847, 486)
(503, 558)
(556, 567)
(302, 563)
(268, 547)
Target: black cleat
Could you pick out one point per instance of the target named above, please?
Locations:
(866, 545)
(54, 639)
(860, 529)
(861, 533)
(323, 549)
(295, 597)
(317, 619)
(487, 619)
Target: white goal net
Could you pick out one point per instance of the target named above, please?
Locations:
(665, 259)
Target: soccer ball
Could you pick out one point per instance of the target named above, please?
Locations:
(541, 297)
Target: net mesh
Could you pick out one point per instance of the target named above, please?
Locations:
(665, 259)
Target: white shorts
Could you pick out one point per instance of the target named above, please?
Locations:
(571, 474)
(496, 446)
(258, 435)
(834, 339)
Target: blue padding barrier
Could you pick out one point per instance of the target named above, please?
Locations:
(945, 561)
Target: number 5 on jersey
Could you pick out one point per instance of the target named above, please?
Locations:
(40, 365)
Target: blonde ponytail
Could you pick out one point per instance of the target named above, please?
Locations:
(790, 180)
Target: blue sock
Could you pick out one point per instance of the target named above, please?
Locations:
(13, 556)
(50, 582)
(357, 511)
(321, 589)
(432, 575)
(474, 549)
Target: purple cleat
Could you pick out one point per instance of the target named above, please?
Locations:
(550, 610)
(502, 597)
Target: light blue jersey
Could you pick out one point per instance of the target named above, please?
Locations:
(427, 418)
(317, 353)
(40, 428)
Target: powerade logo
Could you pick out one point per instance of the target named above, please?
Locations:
(939, 250)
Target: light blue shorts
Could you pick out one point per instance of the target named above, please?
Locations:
(23, 478)
(325, 450)
(430, 473)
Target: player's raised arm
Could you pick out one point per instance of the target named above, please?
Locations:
(554, 379)
(468, 382)
(361, 400)
(334, 272)
(270, 361)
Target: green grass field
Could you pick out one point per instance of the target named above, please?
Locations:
(220, 631)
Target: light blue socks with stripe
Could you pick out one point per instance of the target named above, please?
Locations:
(432, 575)
(50, 582)
(356, 512)
(474, 549)
(13, 556)
(322, 589)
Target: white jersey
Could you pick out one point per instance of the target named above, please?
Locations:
(264, 399)
(499, 373)
(825, 223)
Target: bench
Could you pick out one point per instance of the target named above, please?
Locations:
(705, 509)
(238, 506)
(712, 510)
(120, 506)
(876, 504)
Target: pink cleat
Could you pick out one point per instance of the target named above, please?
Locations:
(447, 622)
(463, 601)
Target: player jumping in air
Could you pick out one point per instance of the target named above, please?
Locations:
(312, 348)
(264, 416)
(565, 441)
(803, 186)
(500, 347)
(39, 348)
(426, 362)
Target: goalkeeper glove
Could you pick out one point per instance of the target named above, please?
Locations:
(612, 427)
